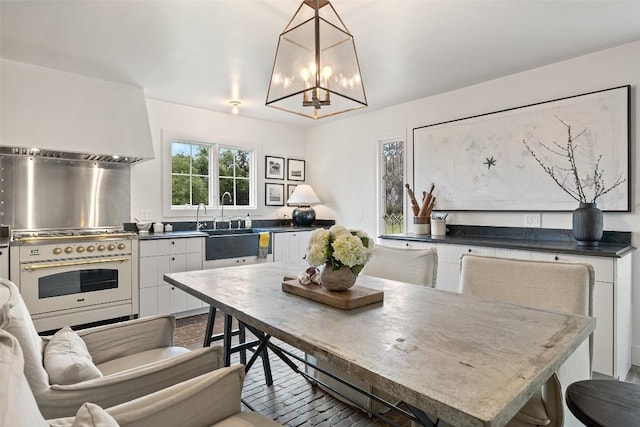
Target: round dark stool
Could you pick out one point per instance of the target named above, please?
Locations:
(605, 403)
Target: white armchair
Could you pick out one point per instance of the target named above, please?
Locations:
(207, 400)
(556, 286)
(133, 359)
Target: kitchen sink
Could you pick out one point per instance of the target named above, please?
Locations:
(232, 243)
(228, 231)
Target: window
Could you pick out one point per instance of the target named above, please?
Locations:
(189, 174)
(391, 174)
(234, 174)
(203, 172)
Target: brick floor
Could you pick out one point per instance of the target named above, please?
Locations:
(291, 400)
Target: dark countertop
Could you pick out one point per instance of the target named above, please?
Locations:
(614, 244)
(192, 233)
(172, 235)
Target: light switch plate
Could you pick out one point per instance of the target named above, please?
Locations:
(532, 220)
(146, 215)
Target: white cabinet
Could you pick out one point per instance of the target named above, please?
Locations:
(449, 263)
(161, 256)
(231, 262)
(611, 295)
(4, 262)
(290, 245)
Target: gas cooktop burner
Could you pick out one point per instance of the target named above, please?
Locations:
(51, 234)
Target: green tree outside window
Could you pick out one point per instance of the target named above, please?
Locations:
(191, 172)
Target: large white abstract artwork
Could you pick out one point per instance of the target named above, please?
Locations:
(482, 163)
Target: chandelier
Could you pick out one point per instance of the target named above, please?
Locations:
(315, 71)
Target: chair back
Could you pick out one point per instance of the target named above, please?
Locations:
(15, 319)
(556, 286)
(18, 407)
(418, 266)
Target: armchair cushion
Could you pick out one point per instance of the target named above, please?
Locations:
(90, 415)
(67, 359)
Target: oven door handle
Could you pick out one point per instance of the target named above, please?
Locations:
(34, 267)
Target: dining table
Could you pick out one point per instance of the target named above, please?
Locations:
(460, 359)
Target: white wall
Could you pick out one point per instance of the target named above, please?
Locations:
(347, 148)
(269, 138)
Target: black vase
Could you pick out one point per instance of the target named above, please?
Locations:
(587, 225)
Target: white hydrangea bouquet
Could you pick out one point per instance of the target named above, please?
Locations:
(339, 247)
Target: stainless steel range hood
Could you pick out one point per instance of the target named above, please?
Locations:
(50, 113)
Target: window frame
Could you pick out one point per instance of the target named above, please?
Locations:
(169, 210)
(394, 136)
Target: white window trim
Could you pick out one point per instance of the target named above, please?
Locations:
(170, 211)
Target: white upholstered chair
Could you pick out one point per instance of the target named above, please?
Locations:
(125, 360)
(556, 286)
(419, 266)
(206, 400)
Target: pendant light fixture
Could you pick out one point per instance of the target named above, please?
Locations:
(315, 71)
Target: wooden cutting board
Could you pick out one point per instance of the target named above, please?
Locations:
(354, 297)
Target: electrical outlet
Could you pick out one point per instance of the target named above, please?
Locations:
(532, 220)
(146, 215)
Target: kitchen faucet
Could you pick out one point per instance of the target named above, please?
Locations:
(226, 193)
(198, 225)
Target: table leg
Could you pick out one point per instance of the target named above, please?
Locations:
(208, 334)
(227, 339)
(242, 338)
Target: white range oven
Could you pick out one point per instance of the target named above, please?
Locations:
(73, 278)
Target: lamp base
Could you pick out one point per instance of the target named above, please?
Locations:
(303, 215)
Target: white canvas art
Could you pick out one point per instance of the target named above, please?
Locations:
(481, 162)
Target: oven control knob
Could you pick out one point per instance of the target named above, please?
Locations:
(111, 247)
(57, 251)
(68, 249)
(91, 248)
(80, 249)
(121, 246)
(100, 248)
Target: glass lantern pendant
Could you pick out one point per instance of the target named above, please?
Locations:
(315, 71)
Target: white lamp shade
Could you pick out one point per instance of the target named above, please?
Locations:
(303, 195)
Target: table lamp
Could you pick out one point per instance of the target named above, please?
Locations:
(303, 197)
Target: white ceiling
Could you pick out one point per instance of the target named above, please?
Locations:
(205, 53)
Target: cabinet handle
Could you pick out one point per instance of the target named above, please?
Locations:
(469, 250)
(556, 258)
(173, 243)
(173, 259)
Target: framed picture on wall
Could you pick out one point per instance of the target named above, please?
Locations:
(290, 188)
(295, 168)
(493, 161)
(273, 194)
(273, 167)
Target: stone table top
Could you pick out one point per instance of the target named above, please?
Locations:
(467, 361)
